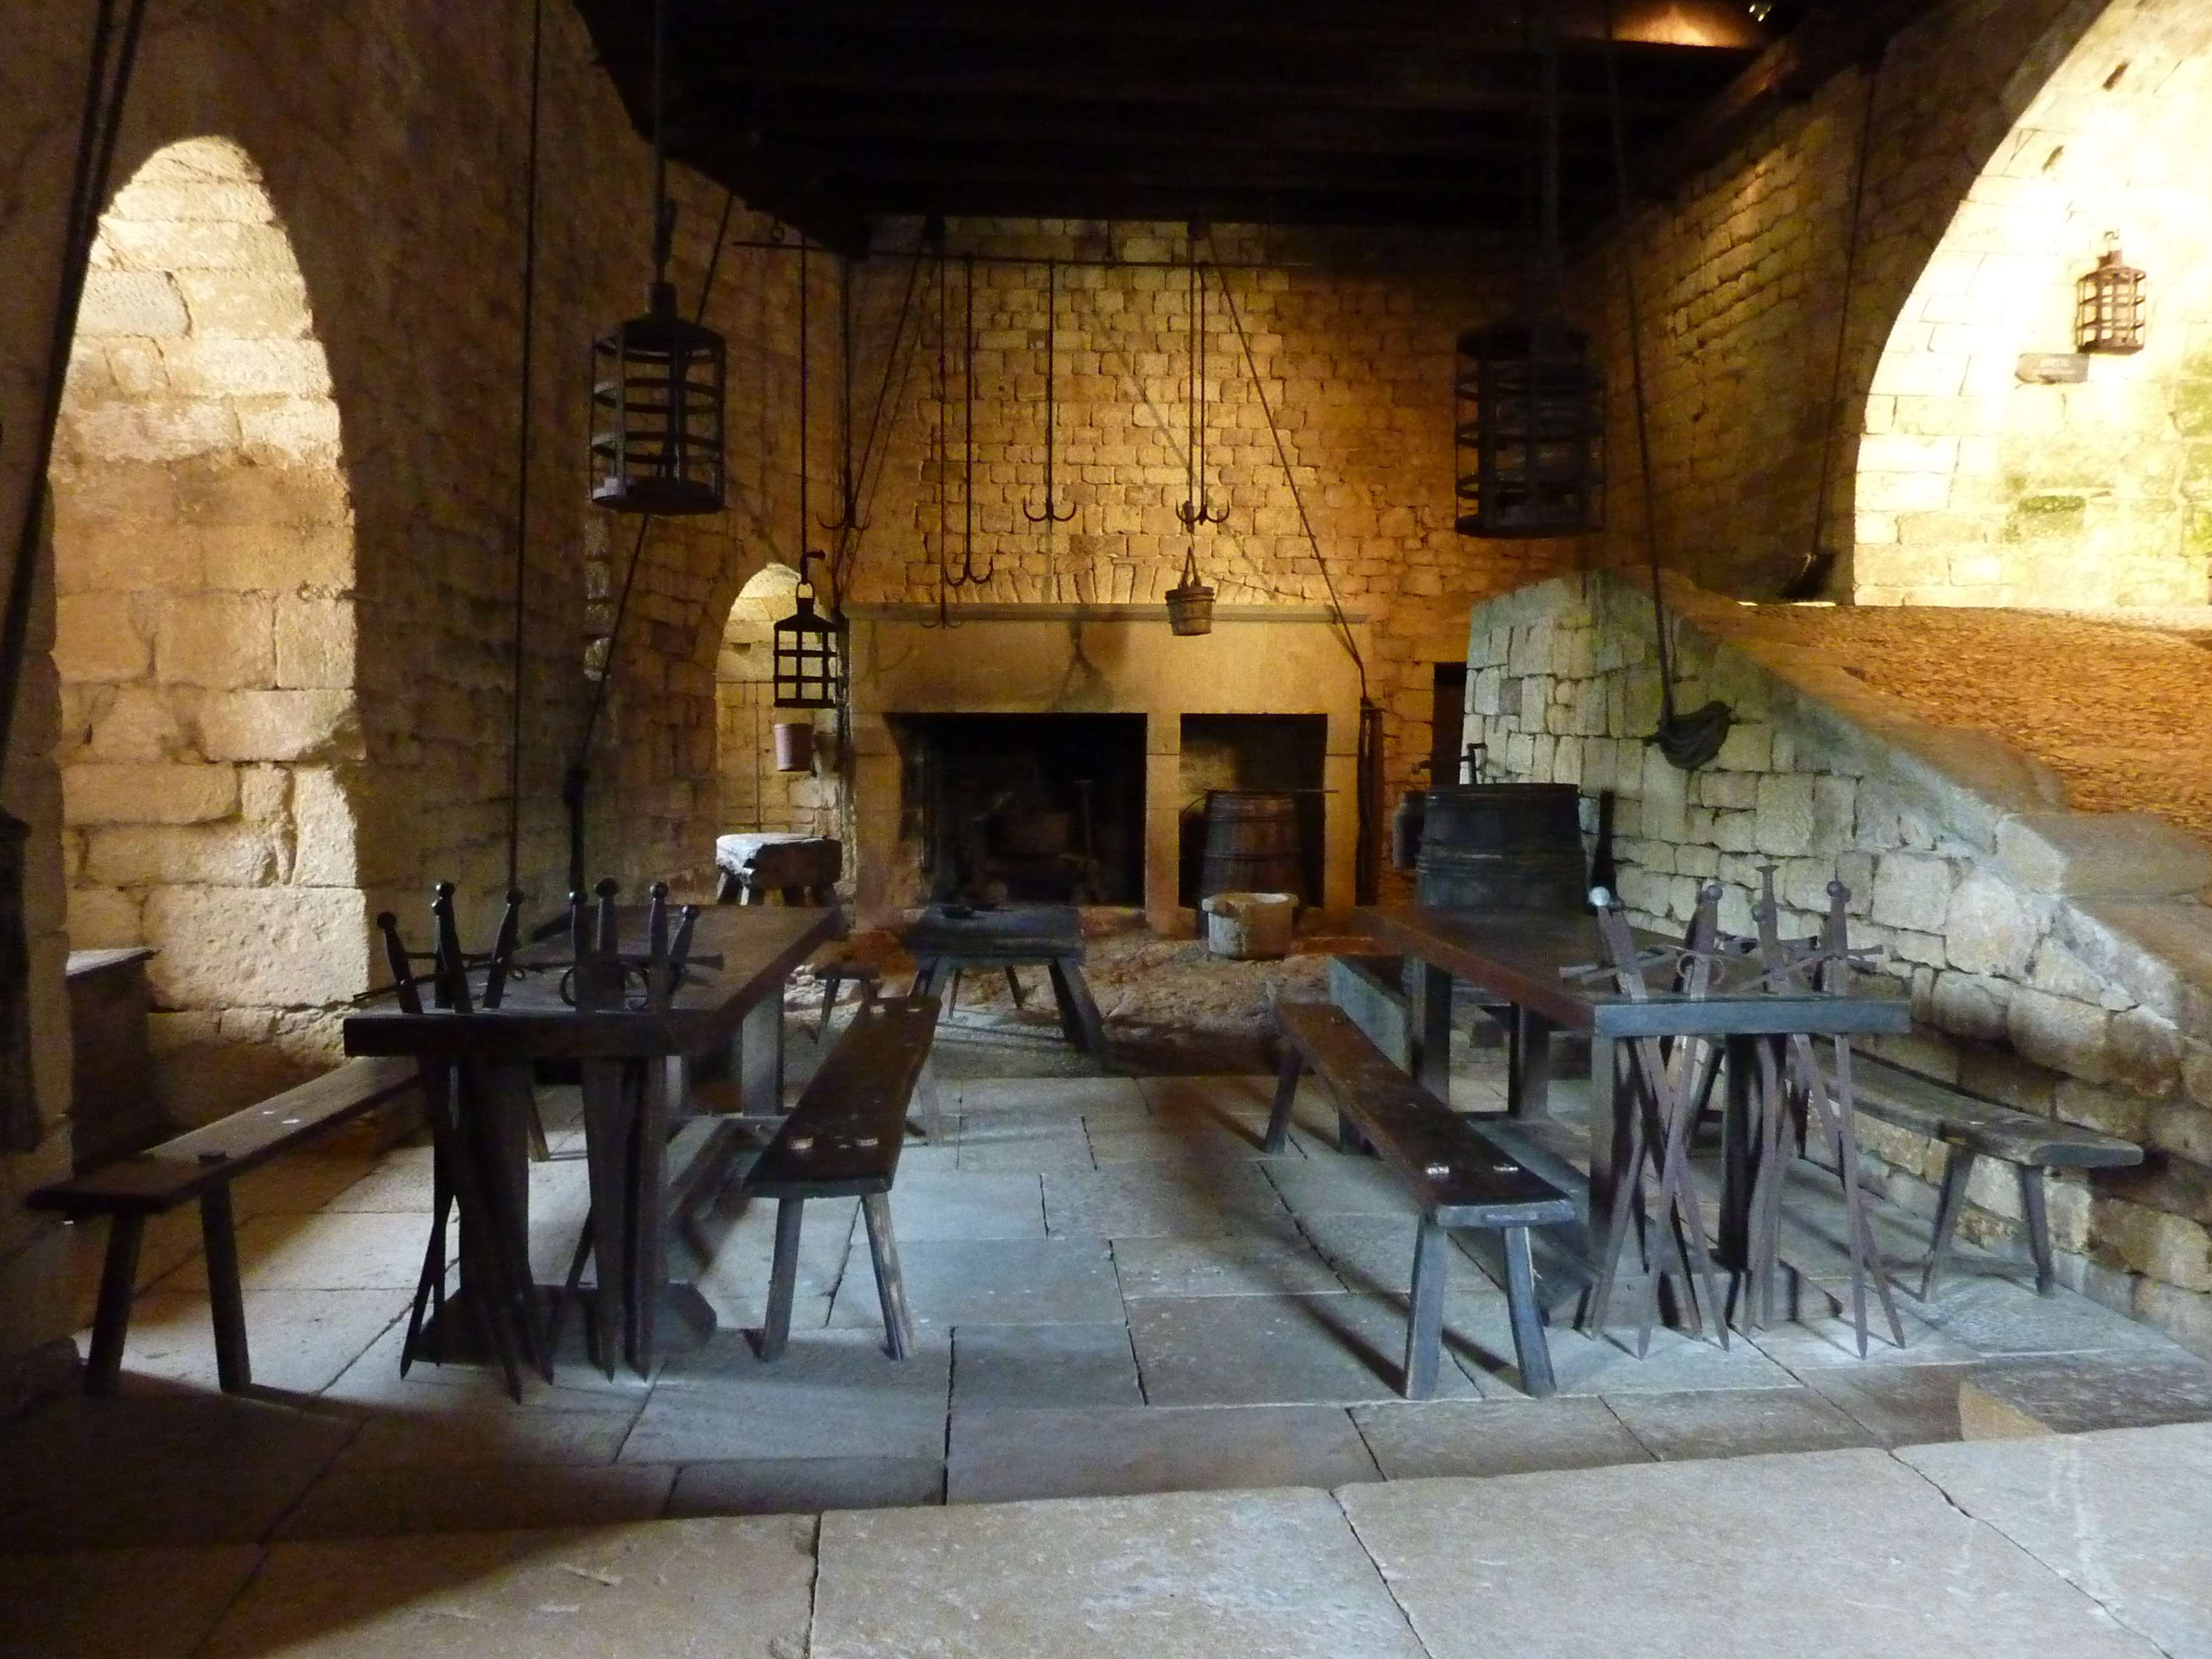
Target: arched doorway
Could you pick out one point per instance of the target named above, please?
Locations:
(754, 795)
(204, 556)
(1997, 468)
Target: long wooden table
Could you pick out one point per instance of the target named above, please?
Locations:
(1516, 958)
(637, 1068)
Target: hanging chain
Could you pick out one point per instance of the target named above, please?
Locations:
(1050, 513)
(969, 576)
(1194, 512)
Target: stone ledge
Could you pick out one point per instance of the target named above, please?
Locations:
(2102, 855)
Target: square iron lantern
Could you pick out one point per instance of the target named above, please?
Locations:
(1529, 428)
(809, 653)
(658, 385)
(2108, 304)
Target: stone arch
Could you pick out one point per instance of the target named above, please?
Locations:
(1979, 484)
(754, 795)
(204, 570)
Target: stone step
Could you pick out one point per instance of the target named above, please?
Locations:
(2071, 1394)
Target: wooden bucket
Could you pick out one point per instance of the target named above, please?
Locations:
(1252, 844)
(1503, 846)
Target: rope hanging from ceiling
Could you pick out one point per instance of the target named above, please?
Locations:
(1688, 741)
(525, 376)
(1821, 560)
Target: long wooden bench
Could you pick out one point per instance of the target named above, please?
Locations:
(842, 1141)
(1971, 1126)
(1458, 1177)
(201, 1165)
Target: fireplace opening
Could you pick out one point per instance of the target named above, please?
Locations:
(1286, 753)
(1024, 808)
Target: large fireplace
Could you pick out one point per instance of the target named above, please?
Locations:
(1037, 808)
(1055, 751)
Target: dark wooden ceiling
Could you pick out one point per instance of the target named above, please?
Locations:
(832, 114)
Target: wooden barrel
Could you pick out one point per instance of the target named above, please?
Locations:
(1251, 844)
(1503, 846)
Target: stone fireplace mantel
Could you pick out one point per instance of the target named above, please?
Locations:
(1088, 658)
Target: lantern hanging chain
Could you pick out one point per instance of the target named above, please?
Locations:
(1821, 560)
(574, 783)
(113, 57)
(969, 576)
(524, 396)
(847, 522)
(805, 382)
(1050, 513)
(1345, 635)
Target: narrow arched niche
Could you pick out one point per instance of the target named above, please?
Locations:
(754, 795)
(204, 561)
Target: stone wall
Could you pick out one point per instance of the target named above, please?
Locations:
(1975, 488)
(1352, 337)
(2061, 960)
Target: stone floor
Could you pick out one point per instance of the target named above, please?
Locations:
(1119, 1301)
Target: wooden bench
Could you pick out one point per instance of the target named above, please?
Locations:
(1458, 1176)
(842, 1141)
(1970, 1126)
(202, 1164)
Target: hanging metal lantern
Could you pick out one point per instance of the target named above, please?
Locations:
(2108, 304)
(657, 422)
(1530, 430)
(809, 652)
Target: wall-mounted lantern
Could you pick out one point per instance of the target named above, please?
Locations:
(2108, 304)
(809, 657)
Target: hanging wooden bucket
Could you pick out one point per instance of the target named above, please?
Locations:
(1503, 846)
(794, 746)
(1190, 609)
(1251, 844)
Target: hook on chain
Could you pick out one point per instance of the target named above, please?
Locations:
(1050, 513)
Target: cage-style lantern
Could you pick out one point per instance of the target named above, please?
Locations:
(658, 387)
(809, 659)
(2108, 304)
(1529, 426)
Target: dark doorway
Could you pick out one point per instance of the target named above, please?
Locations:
(1288, 753)
(1025, 808)
(1446, 746)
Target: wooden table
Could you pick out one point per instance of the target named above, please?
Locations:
(1048, 935)
(1516, 958)
(636, 1069)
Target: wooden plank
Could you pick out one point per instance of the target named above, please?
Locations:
(181, 1169)
(1457, 1174)
(1943, 1112)
(844, 1137)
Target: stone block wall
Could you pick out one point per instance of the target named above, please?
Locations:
(1353, 339)
(2060, 961)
